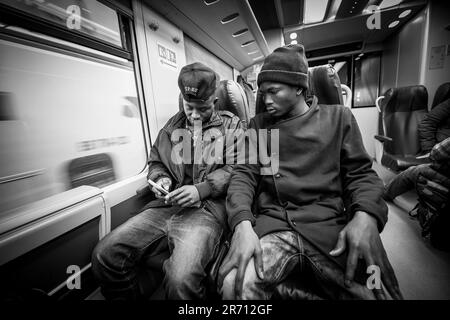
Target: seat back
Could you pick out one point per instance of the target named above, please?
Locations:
(402, 110)
(323, 82)
(442, 94)
(232, 97)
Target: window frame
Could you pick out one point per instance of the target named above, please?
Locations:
(15, 17)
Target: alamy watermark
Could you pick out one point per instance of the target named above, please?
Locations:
(74, 280)
(373, 22)
(230, 146)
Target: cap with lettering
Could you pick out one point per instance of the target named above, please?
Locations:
(197, 82)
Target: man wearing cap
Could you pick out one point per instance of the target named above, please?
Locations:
(319, 216)
(191, 217)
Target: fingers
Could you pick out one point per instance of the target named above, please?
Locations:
(259, 266)
(180, 196)
(157, 193)
(174, 193)
(352, 261)
(227, 265)
(340, 245)
(239, 280)
(378, 292)
(389, 279)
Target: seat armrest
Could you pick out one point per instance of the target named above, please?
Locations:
(383, 138)
(143, 191)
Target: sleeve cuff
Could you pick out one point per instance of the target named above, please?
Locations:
(155, 176)
(381, 219)
(204, 189)
(242, 216)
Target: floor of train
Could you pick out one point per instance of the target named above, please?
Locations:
(423, 272)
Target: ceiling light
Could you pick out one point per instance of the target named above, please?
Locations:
(253, 52)
(389, 3)
(314, 11)
(229, 18)
(404, 13)
(239, 33)
(361, 54)
(247, 43)
(294, 42)
(293, 36)
(394, 23)
(210, 2)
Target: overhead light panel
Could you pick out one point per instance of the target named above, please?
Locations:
(247, 43)
(293, 36)
(210, 2)
(389, 3)
(240, 32)
(404, 13)
(229, 18)
(394, 23)
(294, 42)
(314, 11)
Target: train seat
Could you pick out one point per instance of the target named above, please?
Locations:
(402, 109)
(323, 82)
(231, 97)
(442, 94)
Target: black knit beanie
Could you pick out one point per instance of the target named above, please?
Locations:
(286, 64)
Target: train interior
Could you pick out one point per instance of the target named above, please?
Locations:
(82, 100)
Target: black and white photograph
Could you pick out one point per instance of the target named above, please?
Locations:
(224, 155)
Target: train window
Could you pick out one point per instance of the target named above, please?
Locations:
(67, 119)
(87, 17)
(359, 72)
(367, 80)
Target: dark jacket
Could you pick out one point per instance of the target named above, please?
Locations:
(435, 126)
(323, 169)
(210, 178)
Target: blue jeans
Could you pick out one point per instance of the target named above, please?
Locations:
(287, 253)
(193, 235)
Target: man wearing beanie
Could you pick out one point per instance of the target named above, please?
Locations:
(318, 217)
(191, 217)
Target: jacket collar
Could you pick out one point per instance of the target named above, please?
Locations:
(180, 121)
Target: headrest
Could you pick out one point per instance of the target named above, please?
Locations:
(231, 98)
(442, 94)
(405, 99)
(323, 82)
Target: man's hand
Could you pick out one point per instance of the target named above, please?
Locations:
(163, 182)
(362, 240)
(185, 196)
(244, 245)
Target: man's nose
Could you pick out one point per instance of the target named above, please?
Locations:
(195, 114)
(267, 99)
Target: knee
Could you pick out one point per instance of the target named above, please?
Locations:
(178, 280)
(227, 289)
(252, 287)
(108, 256)
(99, 258)
(185, 284)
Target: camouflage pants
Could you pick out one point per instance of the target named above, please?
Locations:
(312, 275)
